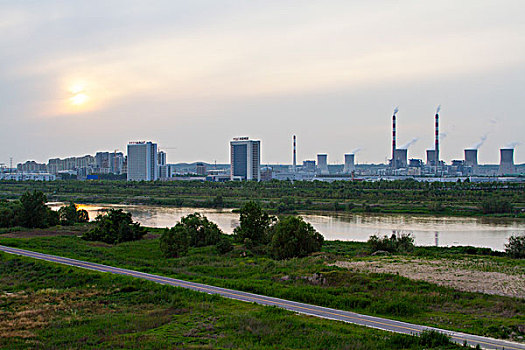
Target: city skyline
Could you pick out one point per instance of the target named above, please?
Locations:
(80, 78)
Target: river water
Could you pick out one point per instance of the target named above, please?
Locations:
(427, 230)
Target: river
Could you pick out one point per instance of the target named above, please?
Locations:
(427, 230)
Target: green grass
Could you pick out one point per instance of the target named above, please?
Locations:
(48, 306)
(385, 295)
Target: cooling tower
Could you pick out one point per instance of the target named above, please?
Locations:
(400, 158)
(506, 164)
(349, 163)
(431, 157)
(471, 157)
(322, 164)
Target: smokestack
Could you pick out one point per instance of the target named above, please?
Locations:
(506, 164)
(294, 156)
(436, 147)
(394, 138)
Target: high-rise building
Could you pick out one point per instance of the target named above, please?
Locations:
(142, 161)
(245, 159)
(162, 158)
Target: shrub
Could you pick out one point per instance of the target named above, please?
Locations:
(515, 248)
(254, 224)
(293, 237)
(201, 232)
(396, 243)
(496, 206)
(115, 227)
(433, 339)
(224, 245)
(174, 242)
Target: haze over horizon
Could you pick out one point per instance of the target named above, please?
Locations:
(82, 77)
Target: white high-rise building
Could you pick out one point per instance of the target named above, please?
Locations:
(142, 161)
(245, 159)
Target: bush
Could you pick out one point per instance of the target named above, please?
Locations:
(396, 243)
(293, 237)
(174, 242)
(224, 245)
(115, 227)
(254, 224)
(496, 206)
(515, 248)
(433, 339)
(201, 232)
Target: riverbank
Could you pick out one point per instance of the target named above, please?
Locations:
(319, 280)
(410, 197)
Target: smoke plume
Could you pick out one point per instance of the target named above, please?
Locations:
(409, 143)
(396, 110)
(513, 144)
(355, 150)
(438, 109)
(480, 143)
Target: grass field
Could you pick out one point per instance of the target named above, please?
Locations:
(383, 294)
(48, 306)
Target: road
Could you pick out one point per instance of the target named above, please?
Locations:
(312, 310)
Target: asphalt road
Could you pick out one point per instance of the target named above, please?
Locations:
(312, 310)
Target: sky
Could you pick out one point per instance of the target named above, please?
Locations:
(85, 76)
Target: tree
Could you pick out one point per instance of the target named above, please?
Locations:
(34, 212)
(82, 215)
(69, 215)
(293, 237)
(10, 213)
(201, 232)
(224, 245)
(174, 242)
(254, 224)
(515, 248)
(115, 227)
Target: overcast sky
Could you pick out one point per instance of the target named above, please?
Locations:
(79, 77)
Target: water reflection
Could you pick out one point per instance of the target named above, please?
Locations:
(427, 230)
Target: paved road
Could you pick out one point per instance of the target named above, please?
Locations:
(312, 310)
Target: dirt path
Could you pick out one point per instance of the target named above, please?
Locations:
(446, 273)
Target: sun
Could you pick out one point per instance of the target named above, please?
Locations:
(80, 97)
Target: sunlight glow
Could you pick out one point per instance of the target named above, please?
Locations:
(79, 99)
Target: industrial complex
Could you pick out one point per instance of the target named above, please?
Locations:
(144, 162)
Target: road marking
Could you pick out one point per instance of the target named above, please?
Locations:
(319, 311)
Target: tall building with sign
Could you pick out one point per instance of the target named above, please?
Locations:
(142, 161)
(245, 159)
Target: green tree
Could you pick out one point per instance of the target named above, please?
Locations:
(34, 212)
(255, 224)
(10, 213)
(293, 237)
(174, 242)
(200, 230)
(68, 214)
(515, 248)
(403, 242)
(82, 215)
(115, 227)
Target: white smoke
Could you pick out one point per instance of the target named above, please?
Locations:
(396, 110)
(513, 144)
(480, 143)
(355, 150)
(438, 109)
(409, 143)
